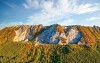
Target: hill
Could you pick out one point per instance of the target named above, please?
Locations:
(53, 34)
(50, 44)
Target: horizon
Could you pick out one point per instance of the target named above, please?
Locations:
(49, 25)
(48, 12)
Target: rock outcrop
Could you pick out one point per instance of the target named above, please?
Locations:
(53, 34)
(73, 35)
(26, 33)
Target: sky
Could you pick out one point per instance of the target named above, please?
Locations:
(48, 12)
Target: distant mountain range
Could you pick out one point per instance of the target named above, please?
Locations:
(53, 34)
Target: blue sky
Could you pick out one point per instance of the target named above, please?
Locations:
(47, 12)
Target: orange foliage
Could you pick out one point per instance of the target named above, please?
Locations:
(59, 29)
(87, 35)
(7, 34)
(63, 39)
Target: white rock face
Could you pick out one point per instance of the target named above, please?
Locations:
(27, 33)
(46, 36)
(73, 36)
(23, 34)
(54, 34)
(50, 36)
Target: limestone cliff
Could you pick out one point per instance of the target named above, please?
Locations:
(26, 33)
(53, 34)
(73, 35)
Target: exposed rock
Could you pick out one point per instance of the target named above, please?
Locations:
(81, 43)
(52, 35)
(23, 34)
(26, 33)
(73, 35)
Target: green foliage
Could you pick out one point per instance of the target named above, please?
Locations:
(27, 53)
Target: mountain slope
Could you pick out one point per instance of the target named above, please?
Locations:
(53, 34)
(18, 44)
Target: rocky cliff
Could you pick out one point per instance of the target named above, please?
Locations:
(53, 34)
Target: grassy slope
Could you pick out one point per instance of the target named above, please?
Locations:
(28, 53)
(7, 34)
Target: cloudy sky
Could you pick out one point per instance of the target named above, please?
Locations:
(47, 12)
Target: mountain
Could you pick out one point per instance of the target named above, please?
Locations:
(53, 34)
(50, 44)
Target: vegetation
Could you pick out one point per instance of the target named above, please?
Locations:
(28, 53)
(7, 34)
(59, 28)
(89, 34)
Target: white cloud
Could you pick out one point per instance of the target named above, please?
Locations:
(62, 6)
(31, 3)
(53, 10)
(86, 8)
(93, 18)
